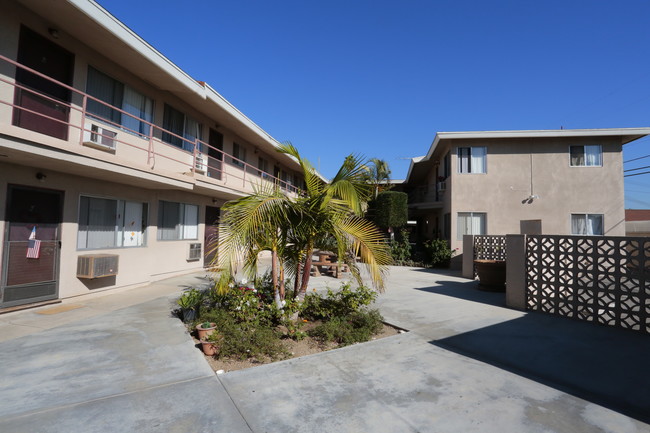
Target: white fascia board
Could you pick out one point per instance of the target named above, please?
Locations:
(413, 162)
(545, 133)
(104, 19)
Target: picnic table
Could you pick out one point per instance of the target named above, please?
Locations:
(327, 263)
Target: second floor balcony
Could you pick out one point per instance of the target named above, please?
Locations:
(428, 195)
(37, 108)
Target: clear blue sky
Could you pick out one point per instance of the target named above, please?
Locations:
(380, 78)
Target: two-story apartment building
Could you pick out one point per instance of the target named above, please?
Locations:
(113, 161)
(501, 182)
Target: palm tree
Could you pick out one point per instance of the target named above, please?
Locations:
(378, 174)
(293, 227)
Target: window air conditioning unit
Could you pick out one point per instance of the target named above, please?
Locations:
(97, 265)
(99, 138)
(200, 165)
(194, 253)
(442, 186)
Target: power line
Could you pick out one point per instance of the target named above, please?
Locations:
(635, 169)
(636, 174)
(636, 159)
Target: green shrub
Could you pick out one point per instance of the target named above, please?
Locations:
(242, 340)
(400, 247)
(341, 303)
(438, 253)
(354, 328)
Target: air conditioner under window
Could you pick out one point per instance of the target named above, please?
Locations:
(442, 186)
(99, 137)
(97, 265)
(200, 166)
(194, 252)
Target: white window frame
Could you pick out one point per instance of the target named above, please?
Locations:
(587, 161)
(586, 224)
(482, 226)
(185, 220)
(139, 124)
(128, 224)
(472, 158)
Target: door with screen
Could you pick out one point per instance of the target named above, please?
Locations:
(31, 246)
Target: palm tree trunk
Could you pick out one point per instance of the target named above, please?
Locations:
(306, 273)
(274, 277)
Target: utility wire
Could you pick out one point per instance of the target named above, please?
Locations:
(636, 174)
(635, 169)
(636, 159)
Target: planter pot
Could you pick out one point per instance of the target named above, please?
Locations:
(205, 332)
(491, 274)
(210, 349)
(189, 314)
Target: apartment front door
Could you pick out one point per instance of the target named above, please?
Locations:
(31, 246)
(211, 235)
(42, 105)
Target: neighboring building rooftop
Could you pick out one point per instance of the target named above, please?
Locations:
(637, 214)
(627, 135)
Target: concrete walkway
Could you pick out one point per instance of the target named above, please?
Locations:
(120, 362)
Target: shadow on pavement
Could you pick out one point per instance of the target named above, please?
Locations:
(603, 365)
(467, 291)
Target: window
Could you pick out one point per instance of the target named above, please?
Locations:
(586, 224)
(177, 221)
(446, 165)
(470, 223)
(263, 166)
(586, 156)
(116, 94)
(239, 155)
(472, 159)
(109, 223)
(183, 130)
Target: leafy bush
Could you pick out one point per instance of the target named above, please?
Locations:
(438, 252)
(337, 304)
(400, 247)
(244, 339)
(353, 328)
(250, 325)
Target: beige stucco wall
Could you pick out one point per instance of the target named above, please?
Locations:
(518, 168)
(137, 265)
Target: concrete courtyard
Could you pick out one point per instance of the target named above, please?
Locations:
(119, 362)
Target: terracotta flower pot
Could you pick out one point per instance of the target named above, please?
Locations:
(491, 274)
(203, 333)
(209, 348)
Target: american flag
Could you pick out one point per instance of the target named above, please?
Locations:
(33, 246)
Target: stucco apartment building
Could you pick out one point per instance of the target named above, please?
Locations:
(113, 161)
(508, 182)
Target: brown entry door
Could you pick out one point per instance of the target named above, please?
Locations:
(211, 236)
(30, 275)
(42, 105)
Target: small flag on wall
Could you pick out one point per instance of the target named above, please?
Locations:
(33, 246)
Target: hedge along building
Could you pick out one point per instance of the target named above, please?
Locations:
(111, 155)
